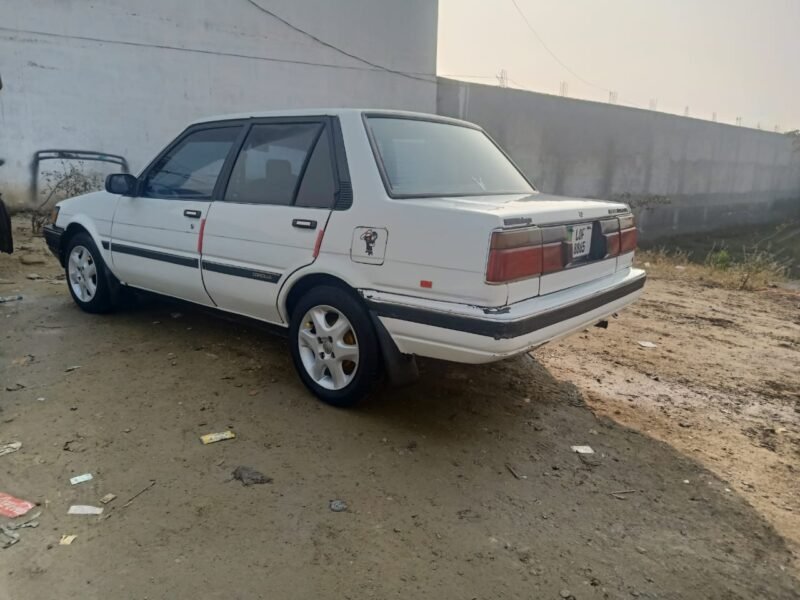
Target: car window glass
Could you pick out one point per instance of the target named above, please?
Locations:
(318, 189)
(191, 168)
(270, 163)
(430, 158)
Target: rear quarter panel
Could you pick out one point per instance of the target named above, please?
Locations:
(445, 246)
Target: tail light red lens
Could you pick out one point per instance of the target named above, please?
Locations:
(627, 234)
(514, 255)
(619, 234)
(554, 239)
(552, 257)
(519, 263)
(610, 230)
(523, 253)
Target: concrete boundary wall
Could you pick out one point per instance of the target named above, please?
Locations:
(681, 174)
(125, 77)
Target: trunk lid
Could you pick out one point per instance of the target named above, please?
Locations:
(531, 209)
(556, 215)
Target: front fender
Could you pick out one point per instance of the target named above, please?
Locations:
(98, 233)
(92, 212)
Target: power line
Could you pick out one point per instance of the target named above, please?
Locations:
(521, 86)
(322, 42)
(551, 53)
(99, 40)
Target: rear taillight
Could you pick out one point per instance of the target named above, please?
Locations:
(627, 234)
(610, 231)
(514, 255)
(525, 253)
(554, 249)
(619, 235)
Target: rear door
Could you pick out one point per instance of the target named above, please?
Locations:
(280, 191)
(155, 235)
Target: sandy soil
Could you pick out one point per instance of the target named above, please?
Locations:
(461, 486)
(722, 385)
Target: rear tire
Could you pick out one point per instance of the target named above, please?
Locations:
(334, 347)
(87, 276)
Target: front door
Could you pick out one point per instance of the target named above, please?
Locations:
(278, 197)
(155, 236)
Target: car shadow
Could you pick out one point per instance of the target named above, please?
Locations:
(632, 493)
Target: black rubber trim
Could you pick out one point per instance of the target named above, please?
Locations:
(6, 233)
(265, 276)
(153, 255)
(344, 192)
(106, 244)
(401, 368)
(501, 330)
(53, 235)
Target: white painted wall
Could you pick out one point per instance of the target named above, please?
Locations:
(125, 77)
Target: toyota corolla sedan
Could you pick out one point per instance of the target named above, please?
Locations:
(371, 236)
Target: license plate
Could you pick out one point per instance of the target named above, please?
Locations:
(581, 240)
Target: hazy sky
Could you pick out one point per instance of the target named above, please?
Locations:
(735, 57)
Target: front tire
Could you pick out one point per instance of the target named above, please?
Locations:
(87, 277)
(334, 346)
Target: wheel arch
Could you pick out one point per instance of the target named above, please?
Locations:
(400, 368)
(76, 226)
(70, 232)
(83, 224)
(296, 289)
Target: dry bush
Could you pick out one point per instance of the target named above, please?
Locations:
(754, 269)
(67, 181)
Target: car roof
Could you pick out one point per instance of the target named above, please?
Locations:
(333, 112)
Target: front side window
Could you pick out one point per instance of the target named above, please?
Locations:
(190, 169)
(433, 158)
(271, 163)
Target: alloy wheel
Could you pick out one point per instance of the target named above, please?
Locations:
(82, 271)
(328, 347)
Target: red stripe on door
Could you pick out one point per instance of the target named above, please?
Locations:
(318, 243)
(200, 237)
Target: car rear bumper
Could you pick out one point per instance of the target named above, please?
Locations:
(52, 235)
(474, 334)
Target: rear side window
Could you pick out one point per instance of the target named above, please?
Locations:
(191, 168)
(271, 163)
(423, 158)
(318, 189)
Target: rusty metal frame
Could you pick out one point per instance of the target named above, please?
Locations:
(83, 155)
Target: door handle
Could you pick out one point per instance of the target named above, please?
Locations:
(192, 214)
(304, 224)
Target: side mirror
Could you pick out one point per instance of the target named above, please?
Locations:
(123, 184)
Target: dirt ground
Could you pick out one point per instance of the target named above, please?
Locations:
(461, 486)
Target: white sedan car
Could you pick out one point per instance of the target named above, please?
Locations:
(372, 236)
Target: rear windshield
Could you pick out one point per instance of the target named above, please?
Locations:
(431, 158)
